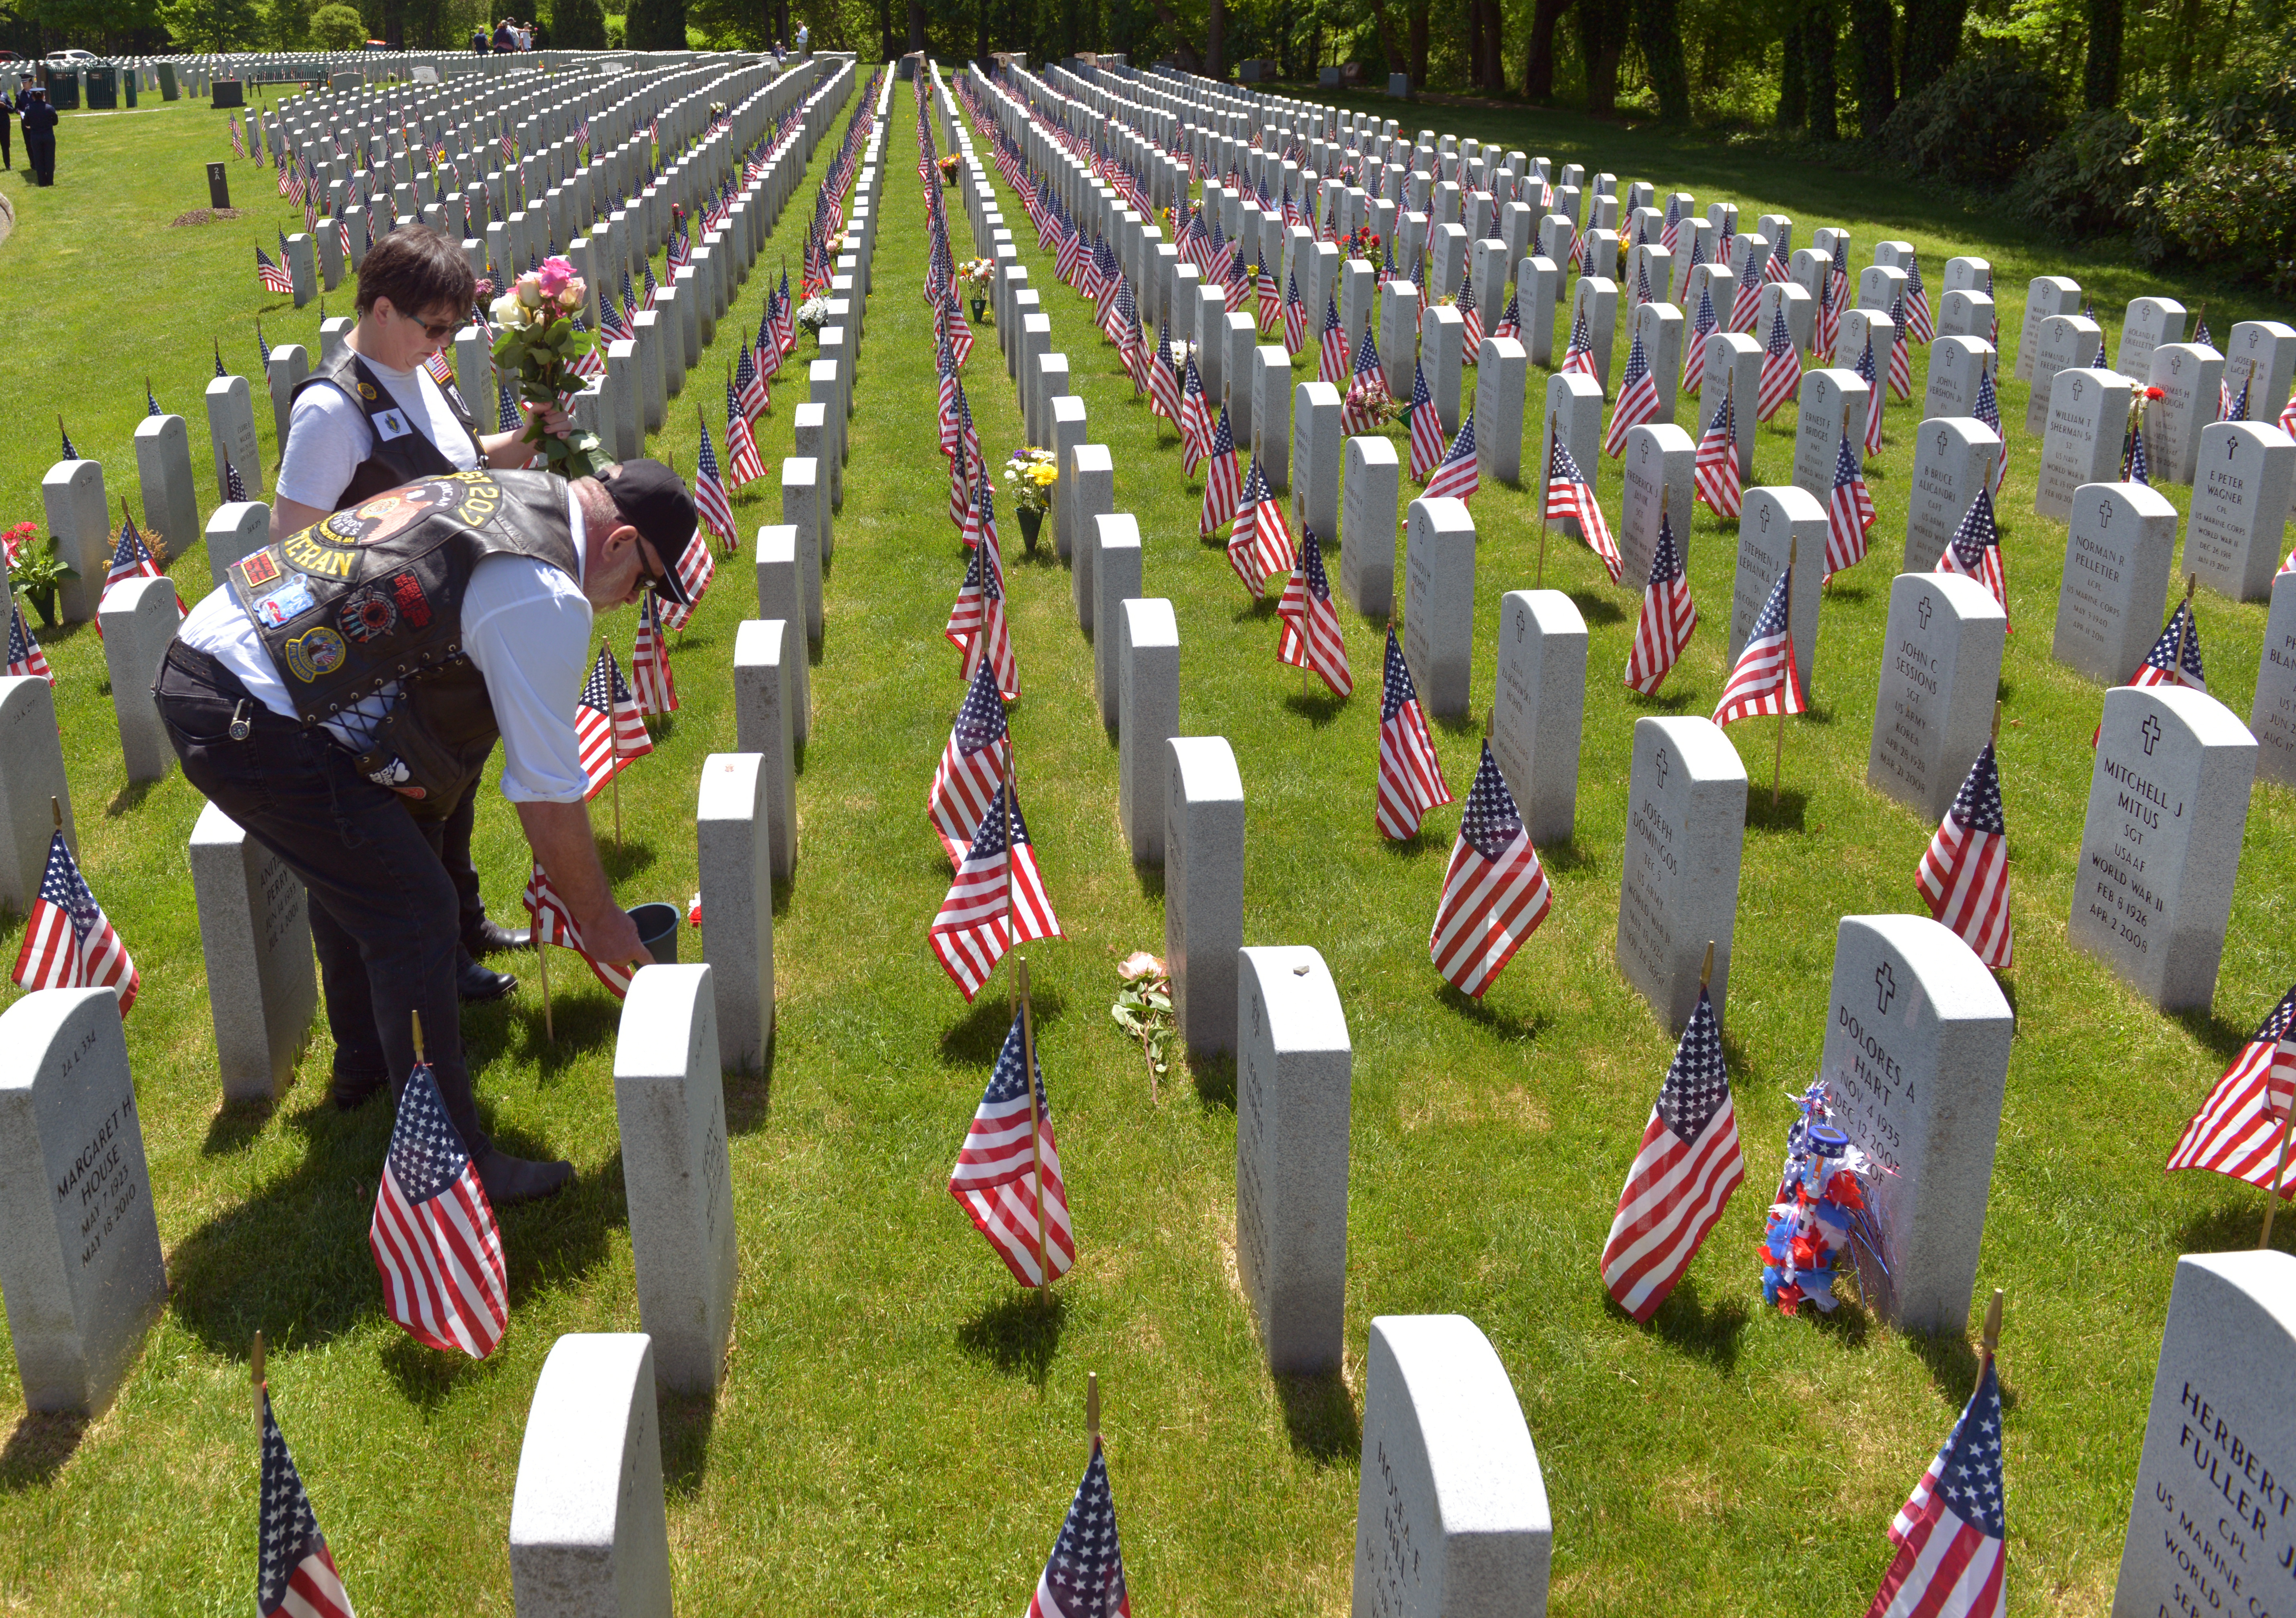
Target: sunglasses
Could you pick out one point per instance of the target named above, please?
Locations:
(437, 331)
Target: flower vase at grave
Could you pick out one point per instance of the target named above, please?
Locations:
(1030, 521)
(43, 602)
(979, 304)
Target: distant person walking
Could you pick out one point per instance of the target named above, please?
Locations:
(804, 40)
(7, 113)
(504, 39)
(40, 135)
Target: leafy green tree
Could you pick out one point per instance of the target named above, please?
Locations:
(2101, 74)
(1870, 25)
(1820, 27)
(212, 25)
(577, 25)
(655, 25)
(1657, 35)
(338, 27)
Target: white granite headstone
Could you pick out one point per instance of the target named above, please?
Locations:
(2089, 413)
(1771, 524)
(1368, 499)
(1203, 888)
(2116, 579)
(1438, 631)
(589, 1532)
(1148, 713)
(1940, 675)
(1686, 830)
(1538, 705)
(2271, 717)
(32, 787)
(734, 849)
(1953, 457)
(1656, 468)
(254, 936)
(2240, 489)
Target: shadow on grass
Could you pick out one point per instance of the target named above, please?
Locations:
(1570, 859)
(1689, 1324)
(293, 1260)
(37, 1450)
(1465, 726)
(236, 1126)
(1318, 707)
(1019, 1334)
(749, 1096)
(1787, 815)
(624, 858)
(1952, 1363)
(1150, 878)
(1255, 612)
(1505, 1023)
(1320, 1418)
(1419, 842)
(2220, 1035)
(426, 1378)
(583, 1016)
(978, 1038)
(687, 1420)
(1596, 608)
(1854, 593)
(1672, 701)
(1214, 1081)
(2233, 1225)
(129, 799)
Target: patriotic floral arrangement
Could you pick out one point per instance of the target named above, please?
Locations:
(1143, 1009)
(1370, 400)
(948, 167)
(535, 323)
(1363, 242)
(812, 314)
(1819, 1210)
(978, 271)
(1033, 472)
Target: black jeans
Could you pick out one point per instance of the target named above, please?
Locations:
(384, 913)
(454, 854)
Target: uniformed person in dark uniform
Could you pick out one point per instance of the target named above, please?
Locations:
(40, 135)
(343, 689)
(372, 419)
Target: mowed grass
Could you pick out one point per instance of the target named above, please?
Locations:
(901, 1427)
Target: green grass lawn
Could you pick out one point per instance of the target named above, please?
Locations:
(901, 1429)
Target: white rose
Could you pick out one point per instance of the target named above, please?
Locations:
(508, 311)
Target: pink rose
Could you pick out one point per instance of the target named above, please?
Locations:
(555, 273)
(1139, 964)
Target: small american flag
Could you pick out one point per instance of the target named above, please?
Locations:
(1334, 365)
(294, 1570)
(506, 416)
(1260, 544)
(1578, 355)
(434, 1237)
(1357, 414)
(1764, 679)
(237, 141)
(1781, 367)
(1827, 330)
(1410, 776)
(1195, 420)
(607, 725)
(1683, 1174)
(1470, 321)
(1271, 301)
(69, 941)
(1510, 319)
(1874, 397)
(234, 487)
(966, 613)
(747, 466)
(972, 768)
(2175, 658)
(2237, 1130)
(1295, 318)
(657, 687)
(1669, 618)
(1670, 234)
(1775, 269)
(1637, 399)
(1426, 427)
(151, 400)
(1311, 637)
(1919, 323)
(553, 923)
(25, 657)
(1459, 476)
(1007, 1179)
(697, 566)
(1965, 875)
(1714, 475)
(272, 277)
(1693, 351)
(130, 558)
(709, 499)
(1164, 375)
(1975, 550)
(1746, 307)
(1223, 484)
(1570, 492)
(1901, 358)
(1849, 513)
(1084, 1577)
(1950, 1535)
(1988, 410)
(2133, 466)
(997, 898)
(1494, 890)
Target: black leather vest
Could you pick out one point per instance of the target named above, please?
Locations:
(402, 451)
(373, 594)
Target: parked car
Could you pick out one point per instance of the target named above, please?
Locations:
(72, 59)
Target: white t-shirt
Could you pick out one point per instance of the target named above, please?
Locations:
(526, 627)
(329, 438)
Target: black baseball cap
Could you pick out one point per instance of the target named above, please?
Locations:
(653, 500)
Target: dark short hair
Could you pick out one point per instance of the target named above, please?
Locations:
(418, 269)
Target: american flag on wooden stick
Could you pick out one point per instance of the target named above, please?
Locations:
(1950, 1535)
(607, 723)
(1295, 318)
(1459, 476)
(747, 466)
(1874, 397)
(69, 941)
(1781, 367)
(2237, 1130)
(1901, 359)
(1223, 484)
(295, 1575)
(972, 768)
(1494, 890)
(1260, 544)
(434, 1237)
(273, 277)
(1746, 305)
(1988, 410)
(1426, 427)
(1765, 680)
(1311, 637)
(1920, 325)
(25, 657)
(1164, 375)
(1410, 776)
(1975, 551)
(1008, 1181)
(1826, 331)
(1570, 492)
(1714, 474)
(1578, 355)
(657, 687)
(1683, 1174)
(996, 898)
(1964, 874)
(1775, 268)
(709, 499)
(1334, 366)
(1668, 617)
(1849, 513)
(2175, 658)
(553, 923)
(130, 558)
(1470, 321)
(1694, 348)
(1637, 399)
(1195, 421)
(1084, 1577)
(1271, 301)
(750, 387)
(697, 566)
(978, 626)
(1510, 318)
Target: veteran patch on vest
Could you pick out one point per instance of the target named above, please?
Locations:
(313, 653)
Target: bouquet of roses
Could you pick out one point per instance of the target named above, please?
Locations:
(534, 321)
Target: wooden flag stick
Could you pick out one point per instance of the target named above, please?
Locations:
(417, 1016)
(541, 966)
(1778, 757)
(2279, 1170)
(1035, 1134)
(1706, 971)
(1991, 1341)
(1539, 580)
(1997, 720)
(56, 808)
(1092, 1404)
(2184, 627)
(614, 746)
(255, 1378)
